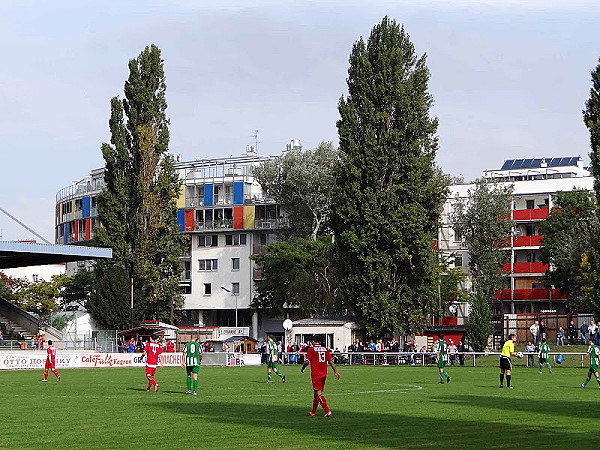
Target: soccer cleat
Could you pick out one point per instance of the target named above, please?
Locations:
(58, 379)
(539, 373)
(268, 381)
(448, 380)
(549, 371)
(195, 393)
(328, 413)
(510, 387)
(188, 392)
(148, 390)
(156, 387)
(500, 386)
(44, 381)
(441, 382)
(312, 414)
(583, 386)
(283, 379)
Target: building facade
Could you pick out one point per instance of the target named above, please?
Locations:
(228, 218)
(534, 182)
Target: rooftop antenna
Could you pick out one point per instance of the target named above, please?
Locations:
(256, 141)
(23, 225)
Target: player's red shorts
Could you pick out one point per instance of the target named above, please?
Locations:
(150, 370)
(318, 383)
(49, 365)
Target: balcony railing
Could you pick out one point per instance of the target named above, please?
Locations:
(527, 241)
(531, 294)
(526, 267)
(194, 202)
(262, 224)
(530, 214)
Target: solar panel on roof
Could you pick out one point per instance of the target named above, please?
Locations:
(537, 163)
(507, 164)
(565, 161)
(574, 160)
(517, 164)
(553, 162)
(527, 163)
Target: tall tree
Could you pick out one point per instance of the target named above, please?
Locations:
(298, 273)
(138, 206)
(483, 221)
(389, 193)
(591, 117)
(303, 182)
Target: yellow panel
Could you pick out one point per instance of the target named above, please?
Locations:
(72, 208)
(248, 217)
(181, 199)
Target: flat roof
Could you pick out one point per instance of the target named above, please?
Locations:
(22, 254)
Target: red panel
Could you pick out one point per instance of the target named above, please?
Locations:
(521, 214)
(530, 214)
(88, 229)
(540, 213)
(538, 267)
(527, 241)
(558, 294)
(522, 294)
(540, 294)
(238, 217)
(506, 268)
(189, 220)
(76, 228)
(451, 320)
(537, 240)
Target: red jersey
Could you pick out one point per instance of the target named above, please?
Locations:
(318, 357)
(153, 350)
(51, 358)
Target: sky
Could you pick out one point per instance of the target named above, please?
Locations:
(509, 79)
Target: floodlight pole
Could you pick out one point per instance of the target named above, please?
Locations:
(236, 303)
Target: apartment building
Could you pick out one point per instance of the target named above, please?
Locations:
(535, 180)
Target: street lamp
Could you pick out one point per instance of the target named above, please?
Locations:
(235, 294)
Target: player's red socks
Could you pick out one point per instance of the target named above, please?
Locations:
(54, 372)
(316, 402)
(324, 403)
(46, 374)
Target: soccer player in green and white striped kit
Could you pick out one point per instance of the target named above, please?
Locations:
(272, 359)
(544, 356)
(442, 357)
(192, 356)
(594, 354)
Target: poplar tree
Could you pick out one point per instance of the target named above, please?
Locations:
(388, 193)
(137, 208)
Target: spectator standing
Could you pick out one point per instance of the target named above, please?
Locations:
(593, 329)
(372, 345)
(542, 334)
(572, 333)
(530, 348)
(452, 350)
(461, 352)
(535, 331)
(170, 346)
(584, 332)
(560, 336)
(131, 345)
(379, 346)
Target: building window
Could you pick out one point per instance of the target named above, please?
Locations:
(208, 240)
(207, 289)
(457, 236)
(530, 204)
(207, 264)
(235, 263)
(235, 288)
(458, 260)
(186, 289)
(235, 239)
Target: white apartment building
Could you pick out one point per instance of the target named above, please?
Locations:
(228, 218)
(535, 180)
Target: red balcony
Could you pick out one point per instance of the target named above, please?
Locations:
(526, 267)
(530, 214)
(530, 294)
(527, 241)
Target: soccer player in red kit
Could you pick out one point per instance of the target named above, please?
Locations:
(51, 362)
(318, 357)
(152, 352)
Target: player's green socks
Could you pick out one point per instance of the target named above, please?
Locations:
(279, 373)
(269, 376)
(189, 383)
(598, 380)
(587, 380)
(549, 367)
(195, 385)
(541, 367)
(441, 377)
(446, 374)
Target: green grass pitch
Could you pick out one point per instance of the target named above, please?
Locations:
(373, 407)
